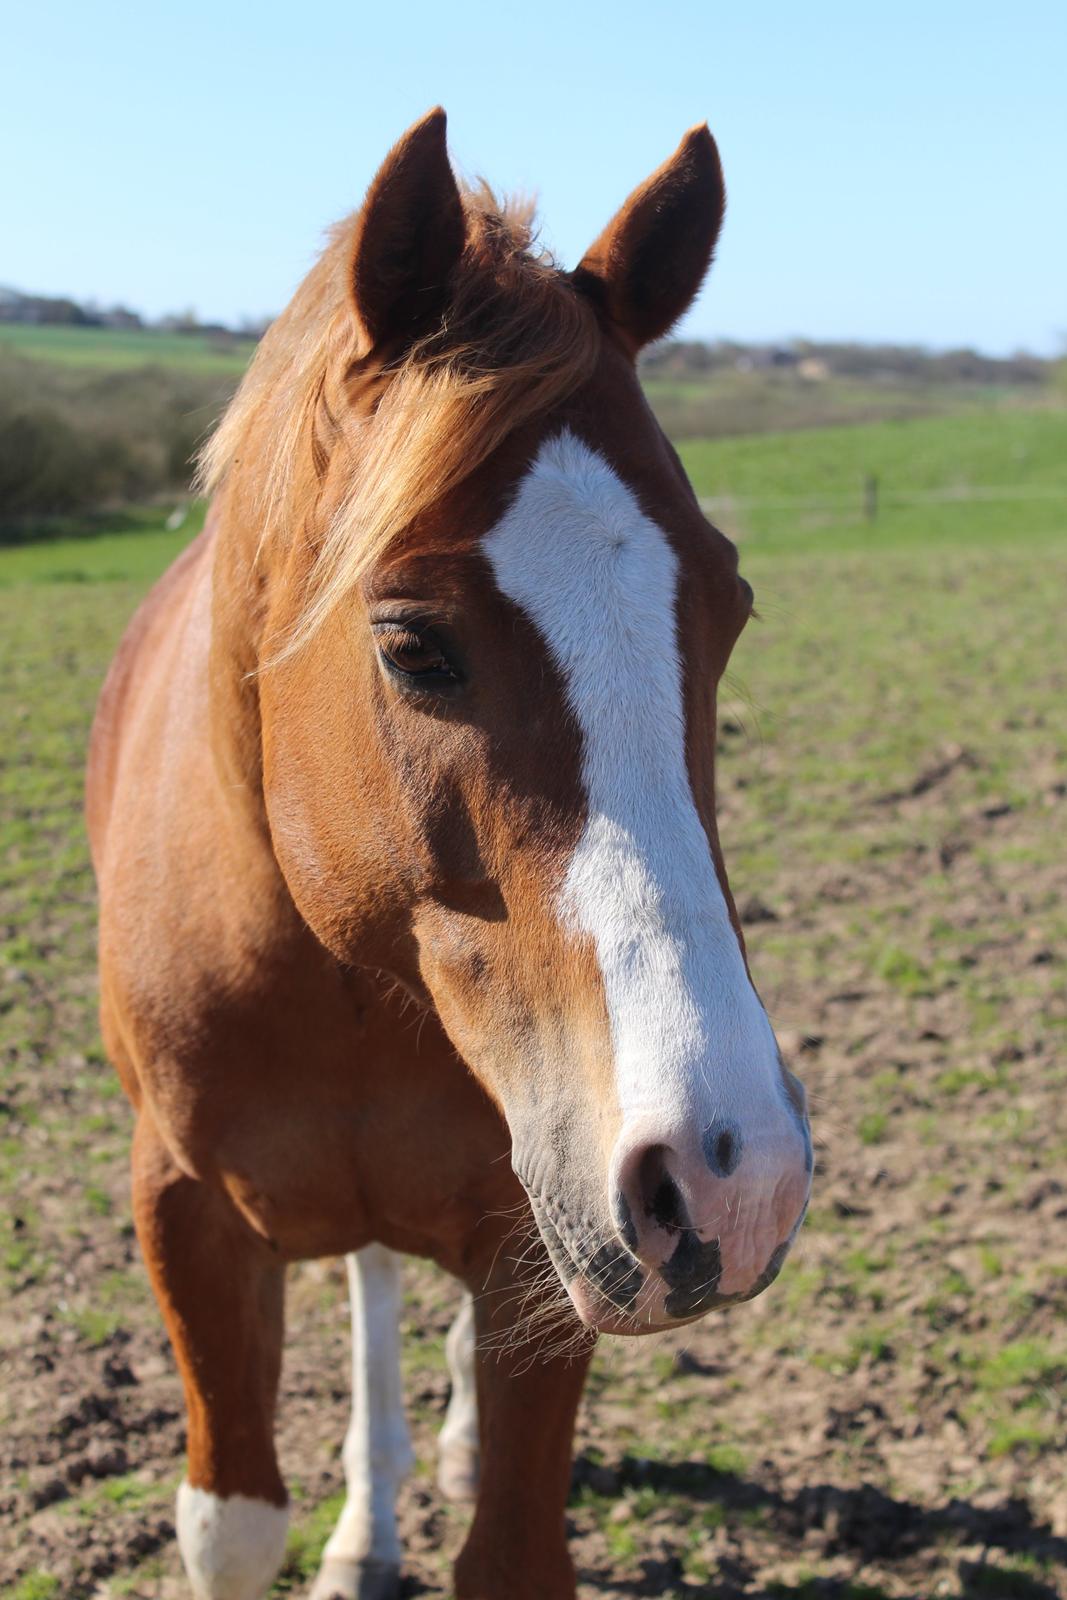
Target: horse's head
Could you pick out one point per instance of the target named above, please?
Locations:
(499, 621)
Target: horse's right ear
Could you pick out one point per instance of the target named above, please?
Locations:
(646, 268)
(409, 236)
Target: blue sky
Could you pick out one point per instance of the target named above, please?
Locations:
(896, 171)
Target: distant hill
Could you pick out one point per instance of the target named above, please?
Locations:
(675, 358)
(815, 362)
(45, 311)
(100, 409)
(113, 349)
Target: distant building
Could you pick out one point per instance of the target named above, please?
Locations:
(121, 317)
(764, 358)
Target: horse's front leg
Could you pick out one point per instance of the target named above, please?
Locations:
(527, 1401)
(362, 1558)
(220, 1289)
(458, 1444)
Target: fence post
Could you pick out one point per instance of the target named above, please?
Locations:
(870, 497)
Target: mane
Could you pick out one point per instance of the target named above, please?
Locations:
(517, 339)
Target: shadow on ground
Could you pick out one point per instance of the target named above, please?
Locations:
(862, 1522)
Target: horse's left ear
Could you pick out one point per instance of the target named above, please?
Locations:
(648, 264)
(408, 237)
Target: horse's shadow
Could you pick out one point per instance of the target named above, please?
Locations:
(862, 1522)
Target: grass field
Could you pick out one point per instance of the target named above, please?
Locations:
(982, 475)
(722, 402)
(117, 349)
(121, 557)
(889, 1420)
(728, 402)
(995, 474)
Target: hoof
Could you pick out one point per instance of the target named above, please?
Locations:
(457, 1473)
(356, 1580)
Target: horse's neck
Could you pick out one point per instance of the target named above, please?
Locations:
(233, 684)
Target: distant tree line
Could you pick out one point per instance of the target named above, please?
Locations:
(684, 358)
(76, 438)
(42, 310)
(676, 358)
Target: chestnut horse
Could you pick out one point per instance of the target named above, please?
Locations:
(414, 922)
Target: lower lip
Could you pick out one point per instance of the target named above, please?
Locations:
(600, 1316)
(594, 1311)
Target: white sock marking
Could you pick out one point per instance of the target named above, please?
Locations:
(233, 1547)
(458, 1443)
(377, 1450)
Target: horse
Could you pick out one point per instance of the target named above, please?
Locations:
(415, 934)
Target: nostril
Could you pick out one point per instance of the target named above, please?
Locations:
(666, 1205)
(652, 1205)
(660, 1195)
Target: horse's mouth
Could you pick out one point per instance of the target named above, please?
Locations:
(615, 1276)
(612, 1292)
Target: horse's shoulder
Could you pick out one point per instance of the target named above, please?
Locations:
(130, 705)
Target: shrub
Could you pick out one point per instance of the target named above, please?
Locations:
(75, 440)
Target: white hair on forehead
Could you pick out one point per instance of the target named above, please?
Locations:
(599, 579)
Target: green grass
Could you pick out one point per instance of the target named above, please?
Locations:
(1024, 1363)
(138, 554)
(305, 1544)
(812, 1588)
(805, 488)
(873, 655)
(118, 349)
(129, 1491)
(1024, 1436)
(728, 402)
(35, 1586)
(872, 1127)
(1020, 1578)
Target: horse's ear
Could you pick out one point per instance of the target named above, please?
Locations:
(648, 264)
(409, 235)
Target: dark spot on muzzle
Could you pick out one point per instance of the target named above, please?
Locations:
(615, 1274)
(722, 1149)
(692, 1275)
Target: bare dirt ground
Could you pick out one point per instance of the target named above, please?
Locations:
(889, 1419)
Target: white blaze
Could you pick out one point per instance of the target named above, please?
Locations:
(598, 578)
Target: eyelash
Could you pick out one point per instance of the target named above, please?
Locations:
(406, 638)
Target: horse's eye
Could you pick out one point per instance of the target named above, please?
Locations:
(414, 654)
